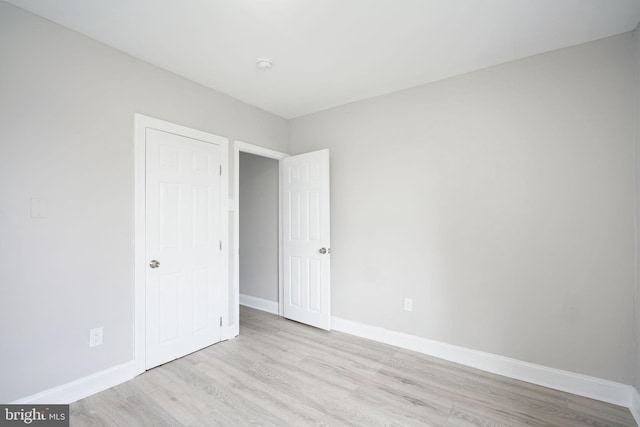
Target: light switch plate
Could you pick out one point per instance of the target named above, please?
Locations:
(38, 208)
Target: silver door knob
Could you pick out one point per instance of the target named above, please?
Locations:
(324, 251)
(154, 264)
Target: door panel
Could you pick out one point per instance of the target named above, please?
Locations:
(305, 181)
(183, 233)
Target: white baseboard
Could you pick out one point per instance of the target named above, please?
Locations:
(259, 303)
(582, 385)
(635, 405)
(83, 387)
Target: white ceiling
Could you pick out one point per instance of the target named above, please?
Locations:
(330, 52)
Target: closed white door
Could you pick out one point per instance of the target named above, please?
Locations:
(183, 246)
(306, 238)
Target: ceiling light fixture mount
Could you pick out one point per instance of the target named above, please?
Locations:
(264, 64)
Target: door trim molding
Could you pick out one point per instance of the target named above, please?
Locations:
(239, 146)
(141, 123)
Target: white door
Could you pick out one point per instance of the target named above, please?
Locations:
(183, 246)
(306, 238)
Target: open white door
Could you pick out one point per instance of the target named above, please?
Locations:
(306, 238)
(185, 264)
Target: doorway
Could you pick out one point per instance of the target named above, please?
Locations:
(261, 252)
(258, 249)
(303, 237)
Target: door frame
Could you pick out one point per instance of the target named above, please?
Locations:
(239, 146)
(141, 123)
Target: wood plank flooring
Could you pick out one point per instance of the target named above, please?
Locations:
(281, 373)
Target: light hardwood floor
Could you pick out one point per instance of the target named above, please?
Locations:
(281, 373)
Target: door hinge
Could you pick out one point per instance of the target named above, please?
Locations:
(220, 244)
(220, 320)
(220, 170)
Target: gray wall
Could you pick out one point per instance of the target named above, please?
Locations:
(258, 226)
(66, 134)
(501, 201)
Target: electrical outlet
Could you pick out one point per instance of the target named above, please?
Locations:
(95, 337)
(408, 304)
